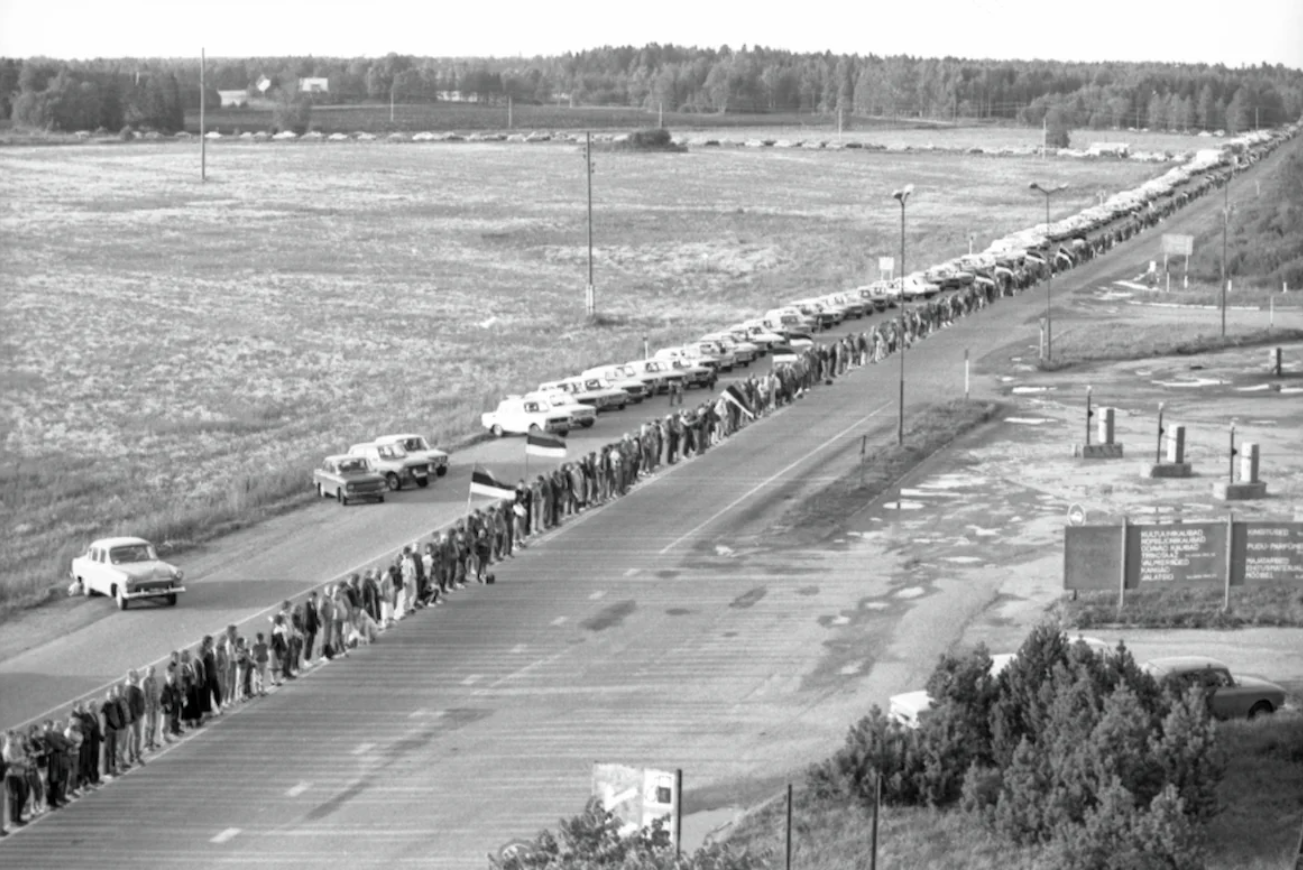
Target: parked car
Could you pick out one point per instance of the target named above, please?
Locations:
(348, 477)
(559, 400)
(394, 463)
(693, 373)
(664, 373)
(916, 287)
(518, 415)
(1229, 696)
(760, 335)
(705, 348)
(590, 391)
(690, 356)
(824, 317)
(744, 350)
(623, 377)
(418, 447)
(126, 569)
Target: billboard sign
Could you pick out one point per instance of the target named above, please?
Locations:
(637, 796)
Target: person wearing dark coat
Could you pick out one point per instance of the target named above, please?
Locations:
(113, 724)
(172, 701)
(209, 690)
(311, 625)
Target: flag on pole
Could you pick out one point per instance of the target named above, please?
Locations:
(783, 353)
(737, 397)
(485, 484)
(545, 444)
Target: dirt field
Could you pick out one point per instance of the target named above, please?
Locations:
(179, 353)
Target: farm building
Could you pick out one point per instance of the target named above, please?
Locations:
(314, 85)
(1108, 149)
(234, 99)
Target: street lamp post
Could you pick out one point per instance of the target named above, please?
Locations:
(1049, 287)
(901, 196)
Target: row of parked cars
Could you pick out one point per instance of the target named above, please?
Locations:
(572, 403)
(1229, 696)
(373, 468)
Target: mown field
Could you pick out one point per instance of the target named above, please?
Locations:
(178, 355)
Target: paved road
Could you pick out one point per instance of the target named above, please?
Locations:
(663, 629)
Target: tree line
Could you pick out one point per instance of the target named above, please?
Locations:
(1103, 95)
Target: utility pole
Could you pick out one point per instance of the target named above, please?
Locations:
(508, 113)
(203, 141)
(392, 85)
(591, 295)
(1226, 219)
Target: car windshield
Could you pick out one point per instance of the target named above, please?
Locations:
(354, 465)
(414, 443)
(593, 384)
(533, 407)
(391, 451)
(132, 553)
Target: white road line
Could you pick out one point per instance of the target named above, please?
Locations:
(768, 480)
(560, 620)
(228, 834)
(471, 680)
(363, 748)
(296, 790)
(596, 595)
(1131, 285)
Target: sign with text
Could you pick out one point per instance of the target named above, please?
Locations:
(1178, 245)
(1181, 554)
(637, 796)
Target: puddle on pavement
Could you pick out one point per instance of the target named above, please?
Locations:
(910, 592)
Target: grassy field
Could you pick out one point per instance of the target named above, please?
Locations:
(1187, 608)
(1256, 830)
(1097, 342)
(178, 355)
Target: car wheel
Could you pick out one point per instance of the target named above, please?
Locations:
(392, 481)
(171, 600)
(422, 482)
(588, 424)
(121, 598)
(495, 430)
(533, 427)
(443, 469)
(1262, 708)
(339, 497)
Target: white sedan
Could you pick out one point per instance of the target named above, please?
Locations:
(125, 569)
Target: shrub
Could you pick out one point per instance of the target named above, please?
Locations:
(126, 133)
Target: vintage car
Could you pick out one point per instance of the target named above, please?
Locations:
(394, 463)
(590, 391)
(758, 334)
(639, 385)
(665, 374)
(1229, 696)
(518, 415)
(694, 373)
(348, 477)
(743, 350)
(125, 569)
(917, 287)
(779, 319)
(689, 355)
(418, 447)
(559, 400)
(881, 293)
(823, 315)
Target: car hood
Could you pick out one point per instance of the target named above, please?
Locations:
(147, 570)
(1258, 683)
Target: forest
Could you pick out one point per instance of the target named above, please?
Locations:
(43, 93)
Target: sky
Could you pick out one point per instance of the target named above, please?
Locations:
(1246, 32)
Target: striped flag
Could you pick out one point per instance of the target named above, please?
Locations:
(735, 395)
(783, 353)
(545, 444)
(485, 484)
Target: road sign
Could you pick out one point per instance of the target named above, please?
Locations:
(1077, 515)
(1178, 245)
(886, 264)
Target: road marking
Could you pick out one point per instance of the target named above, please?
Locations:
(363, 748)
(768, 480)
(518, 648)
(596, 595)
(1131, 285)
(471, 680)
(228, 834)
(631, 572)
(296, 790)
(560, 620)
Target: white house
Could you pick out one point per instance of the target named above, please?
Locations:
(234, 98)
(314, 85)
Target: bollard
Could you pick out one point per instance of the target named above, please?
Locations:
(1275, 361)
(1158, 452)
(1230, 469)
(1249, 462)
(1106, 426)
(1089, 414)
(1176, 445)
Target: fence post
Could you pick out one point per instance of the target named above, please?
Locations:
(1230, 547)
(788, 864)
(1122, 572)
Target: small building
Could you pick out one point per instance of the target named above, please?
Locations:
(319, 85)
(234, 99)
(1109, 149)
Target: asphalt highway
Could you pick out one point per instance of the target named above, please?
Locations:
(662, 629)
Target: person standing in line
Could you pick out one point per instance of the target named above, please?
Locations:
(72, 731)
(112, 727)
(170, 703)
(149, 686)
(92, 738)
(296, 636)
(211, 696)
(311, 627)
(230, 640)
(326, 616)
(135, 698)
(190, 694)
(57, 748)
(261, 658)
(15, 765)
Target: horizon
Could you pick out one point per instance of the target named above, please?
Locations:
(1110, 31)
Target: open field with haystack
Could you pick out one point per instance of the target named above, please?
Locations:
(177, 356)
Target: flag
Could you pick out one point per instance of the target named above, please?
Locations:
(485, 484)
(783, 353)
(737, 397)
(545, 444)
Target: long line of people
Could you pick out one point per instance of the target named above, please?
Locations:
(53, 762)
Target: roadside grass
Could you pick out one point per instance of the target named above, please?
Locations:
(1112, 341)
(926, 432)
(188, 352)
(1257, 828)
(1191, 607)
(1210, 296)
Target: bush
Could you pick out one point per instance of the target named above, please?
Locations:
(126, 134)
(292, 112)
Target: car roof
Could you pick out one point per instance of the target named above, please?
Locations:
(335, 457)
(118, 542)
(385, 439)
(1182, 664)
(361, 446)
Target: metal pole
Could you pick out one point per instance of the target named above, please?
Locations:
(391, 100)
(900, 423)
(508, 113)
(788, 864)
(965, 374)
(678, 810)
(1226, 218)
(203, 142)
(1230, 469)
(588, 161)
(1049, 292)
(877, 801)
(1158, 457)
(1089, 414)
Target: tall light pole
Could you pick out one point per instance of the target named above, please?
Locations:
(901, 196)
(1226, 219)
(591, 300)
(203, 140)
(1049, 287)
